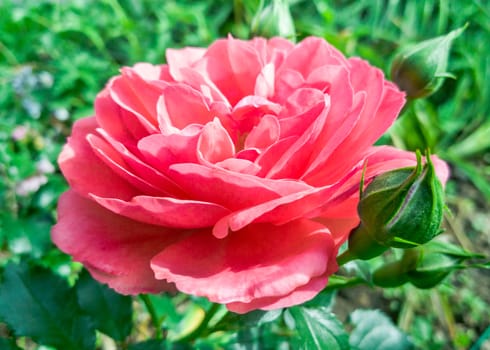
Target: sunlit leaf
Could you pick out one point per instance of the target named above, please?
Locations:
(374, 330)
(319, 329)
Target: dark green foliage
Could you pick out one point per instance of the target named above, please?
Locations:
(38, 304)
(6, 344)
(110, 312)
(149, 345)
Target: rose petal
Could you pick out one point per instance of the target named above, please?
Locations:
(229, 189)
(233, 65)
(117, 250)
(264, 85)
(150, 73)
(267, 159)
(310, 54)
(276, 50)
(294, 161)
(117, 164)
(137, 96)
(253, 263)
(281, 210)
(165, 211)
(264, 134)
(85, 172)
(238, 165)
(180, 106)
(161, 151)
(373, 120)
(302, 107)
(298, 296)
(381, 107)
(142, 169)
(182, 58)
(250, 106)
(337, 130)
(110, 117)
(214, 144)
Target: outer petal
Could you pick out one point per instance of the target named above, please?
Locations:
(115, 161)
(116, 250)
(137, 95)
(166, 211)
(298, 296)
(140, 167)
(256, 262)
(97, 178)
(110, 117)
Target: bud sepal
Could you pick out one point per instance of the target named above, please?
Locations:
(420, 70)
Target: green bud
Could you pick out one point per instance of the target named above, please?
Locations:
(424, 266)
(401, 208)
(274, 20)
(430, 269)
(419, 70)
(391, 275)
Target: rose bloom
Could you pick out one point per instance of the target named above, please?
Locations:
(230, 172)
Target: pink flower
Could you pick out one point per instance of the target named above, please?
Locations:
(231, 172)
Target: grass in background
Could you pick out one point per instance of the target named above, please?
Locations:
(56, 55)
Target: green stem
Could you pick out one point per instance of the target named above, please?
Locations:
(345, 257)
(202, 326)
(153, 315)
(9, 55)
(345, 283)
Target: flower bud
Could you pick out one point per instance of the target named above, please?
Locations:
(424, 266)
(274, 20)
(391, 275)
(419, 70)
(402, 208)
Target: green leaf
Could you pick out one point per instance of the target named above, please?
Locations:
(325, 299)
(450, 249)
(255, 317)
(36, 303)
(110, 311)
(7, 344)
(374, 330)
(319, 329)
(154, 344)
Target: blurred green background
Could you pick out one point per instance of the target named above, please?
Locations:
(56, 55)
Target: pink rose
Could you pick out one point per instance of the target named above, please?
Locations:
(231, 172)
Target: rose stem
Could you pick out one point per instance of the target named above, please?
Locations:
(153, 315)
(345, 257)
(196, 332)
